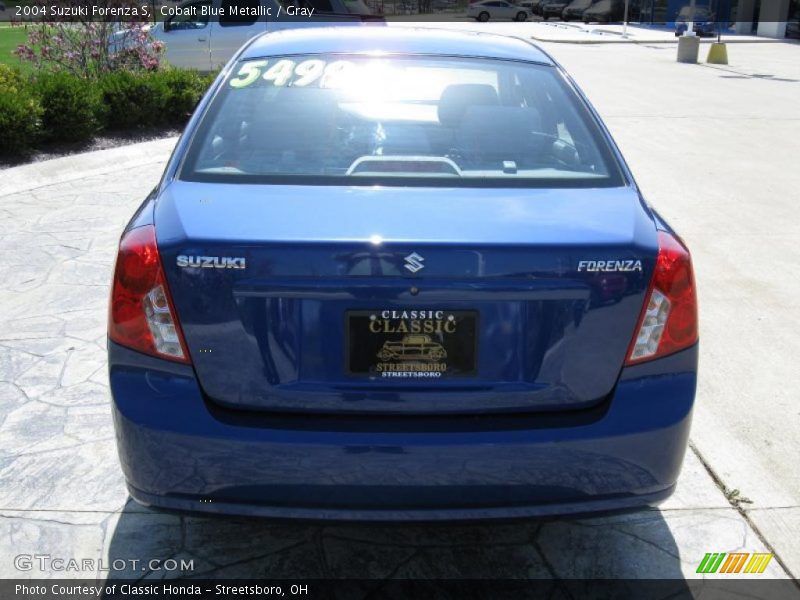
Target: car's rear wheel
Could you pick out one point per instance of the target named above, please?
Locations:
(521, 16)
(483, 17)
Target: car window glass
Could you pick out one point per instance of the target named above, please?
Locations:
(306, 117)
(239, 13)
(187, 20)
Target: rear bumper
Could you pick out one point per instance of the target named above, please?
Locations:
(180, 452)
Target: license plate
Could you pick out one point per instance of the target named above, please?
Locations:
(396, 344)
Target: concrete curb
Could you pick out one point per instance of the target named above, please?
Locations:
(86, 164)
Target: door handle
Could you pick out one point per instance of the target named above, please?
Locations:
(201, 39)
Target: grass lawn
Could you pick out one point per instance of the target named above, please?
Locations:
(10, 38)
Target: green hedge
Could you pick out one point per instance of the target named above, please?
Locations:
(185, 90)
(72, 109)
(152, 99)
(20, 114)
(133, 100)
(59, 107)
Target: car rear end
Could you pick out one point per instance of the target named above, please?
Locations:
(554, 9)
(576, 9)
(537, 6)
(387, 310)
(604, 11)
(475, 8)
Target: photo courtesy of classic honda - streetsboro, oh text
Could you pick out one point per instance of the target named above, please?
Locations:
(395, 274)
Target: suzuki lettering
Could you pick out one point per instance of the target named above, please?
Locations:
(210, 262)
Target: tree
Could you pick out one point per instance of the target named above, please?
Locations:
(88, 38)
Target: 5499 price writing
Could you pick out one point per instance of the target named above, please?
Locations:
(286, 72)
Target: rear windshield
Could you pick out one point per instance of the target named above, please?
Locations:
(398, 121)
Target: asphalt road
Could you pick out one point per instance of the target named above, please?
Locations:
(716, 150)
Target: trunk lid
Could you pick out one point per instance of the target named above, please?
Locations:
(538, 329)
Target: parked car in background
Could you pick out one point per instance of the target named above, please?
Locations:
(530, 5)
(497, 9)
(605, 11)
(538, 6)
(576, 8)
(704, 21)
(445, 4)
(554, 8)
(195, 41)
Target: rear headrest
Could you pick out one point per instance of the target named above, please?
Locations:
(523, 119)
(296, 120)
(455, 100)
(500, 132)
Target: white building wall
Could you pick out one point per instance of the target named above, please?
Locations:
(772, 20)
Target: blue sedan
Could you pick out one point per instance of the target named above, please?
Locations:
(399, 275)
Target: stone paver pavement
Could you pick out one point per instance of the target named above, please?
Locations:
(62, 492)
(61, 489)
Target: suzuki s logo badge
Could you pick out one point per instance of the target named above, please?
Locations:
(211, 262)
(414, 262)
(610, 266)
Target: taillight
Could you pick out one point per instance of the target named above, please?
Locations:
(668, 322)
(141, 314)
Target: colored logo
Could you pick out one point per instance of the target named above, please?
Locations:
(734, 562)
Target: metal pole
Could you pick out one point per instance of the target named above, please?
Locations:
(625, 24)
(722, 8)
(690, 22)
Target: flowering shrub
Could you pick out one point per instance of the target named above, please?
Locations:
(89, 48)
(11, 79)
